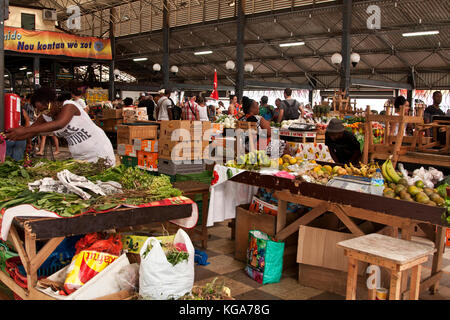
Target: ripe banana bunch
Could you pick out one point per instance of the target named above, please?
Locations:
(389, 172)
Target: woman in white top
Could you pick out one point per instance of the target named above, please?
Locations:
(202, 109)
(67, 120)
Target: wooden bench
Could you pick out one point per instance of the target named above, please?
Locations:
(397, 255)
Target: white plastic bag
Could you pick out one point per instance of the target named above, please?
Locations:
(158, 278)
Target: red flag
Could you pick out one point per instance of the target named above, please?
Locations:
(215, 93)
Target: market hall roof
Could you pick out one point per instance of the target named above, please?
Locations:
(386, 55)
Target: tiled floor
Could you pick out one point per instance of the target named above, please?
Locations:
(225, 268)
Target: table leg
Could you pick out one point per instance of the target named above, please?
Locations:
(415, 283)
(281, 216)
(205, 220)
(352, 279)
(30, 248)
(406, 235)
(438, 256)
(395, 286)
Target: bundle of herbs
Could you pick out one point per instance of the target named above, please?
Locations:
(175, 253)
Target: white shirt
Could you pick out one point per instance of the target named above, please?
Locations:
(164, 104)
(81, 102)
(86, 140)
(203, 113)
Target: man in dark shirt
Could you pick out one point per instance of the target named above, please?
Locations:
(148, 103)
(434, 110)
(342, 144)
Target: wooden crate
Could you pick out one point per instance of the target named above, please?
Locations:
(246, 221)
(126, 134)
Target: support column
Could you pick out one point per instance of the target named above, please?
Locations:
(112, 66)
(3, 17)
(36, 67)
(240, 49)
(165, 62)
(346, 45)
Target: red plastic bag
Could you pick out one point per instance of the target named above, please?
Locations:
(93, 254)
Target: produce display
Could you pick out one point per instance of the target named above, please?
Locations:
(137, 186)
(228, 121)
(251, 161)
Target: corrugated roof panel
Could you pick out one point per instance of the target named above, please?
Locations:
(212, 10)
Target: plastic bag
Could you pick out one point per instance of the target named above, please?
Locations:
(93, 254)
(128, 277)
(264, 258)
(158, 278)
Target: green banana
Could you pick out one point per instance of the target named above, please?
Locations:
(384, 172)
(391, 172)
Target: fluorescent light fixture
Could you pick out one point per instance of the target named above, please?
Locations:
(140, 59)
(292, 44)
(23, 68)
(29, 72)
(202, 52)
(420, 33)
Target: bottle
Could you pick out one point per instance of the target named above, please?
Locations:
(377, 183)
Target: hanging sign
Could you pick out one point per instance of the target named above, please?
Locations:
(56, 43)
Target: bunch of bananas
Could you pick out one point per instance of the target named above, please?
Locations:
(389, 173)
(251, 161)
(365, 170)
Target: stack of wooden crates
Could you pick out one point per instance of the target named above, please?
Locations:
(138, 146)
(182, 146)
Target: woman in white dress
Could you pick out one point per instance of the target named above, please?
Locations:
(67, 119)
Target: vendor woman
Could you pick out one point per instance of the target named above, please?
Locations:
(342, 144)
(68, 120)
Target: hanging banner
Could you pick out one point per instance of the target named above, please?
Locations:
(56, 43)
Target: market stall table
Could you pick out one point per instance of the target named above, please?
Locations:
(347, 204)
(56, 229)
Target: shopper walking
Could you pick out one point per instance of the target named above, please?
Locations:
(290, 108)
(165, 106)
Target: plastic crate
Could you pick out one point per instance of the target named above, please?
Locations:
(129, 162)
(204, 177)
(169, 168)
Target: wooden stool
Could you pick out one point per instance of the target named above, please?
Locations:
(395, 254)
(190, 189)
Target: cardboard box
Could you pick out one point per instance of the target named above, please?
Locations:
(126, 150)
(260, 206)
(247, 220)
(318, 247)
(147, 160)
(188, 130)
(109, 125)
(195, 154)
(112, 113)
(244, 125)
(183, 150)
(127, 134)
(146, 145)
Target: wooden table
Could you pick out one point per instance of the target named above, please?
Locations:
(54, 230)
(348, 205)
(190, 189)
